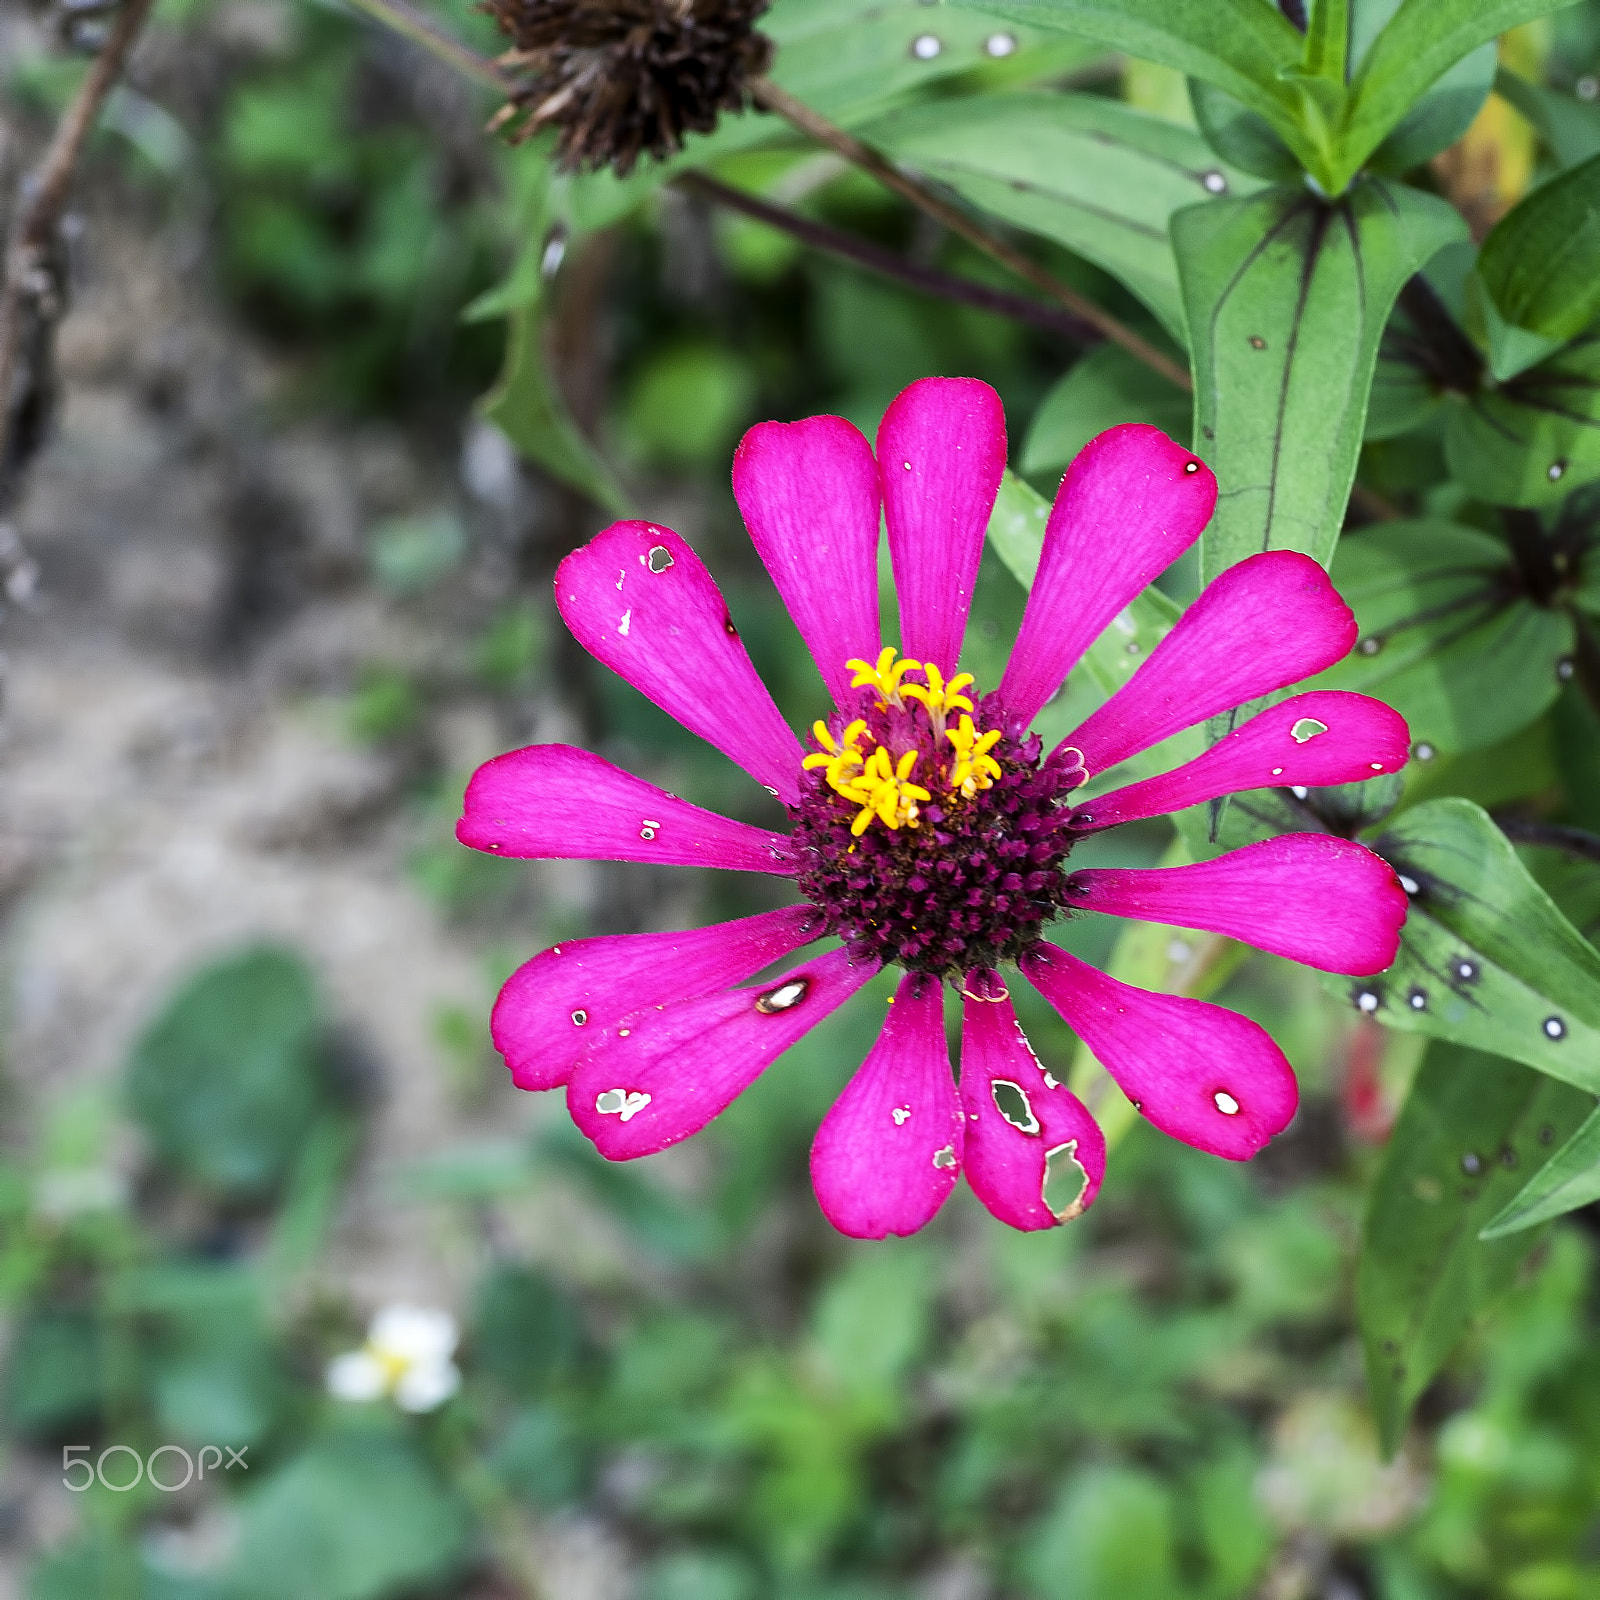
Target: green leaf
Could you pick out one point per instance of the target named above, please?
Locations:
(1486, 959)
(226, 1081)
(1469, 1124)
(1328, 41)
(55, 1376)
(1286, 298)
(1111, 1533)
(1088, 172)
(351, 1518)
(527, 407)
(1420, 43)
(1531, 440)
(1541, 261)
(527, 1333)
(1447, 636)
(1241, 136)
(1441, 116)
(874, 1319)
(1104, 388)
(1568, 1180)
(1242, 46)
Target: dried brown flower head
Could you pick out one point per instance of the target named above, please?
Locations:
(623, 77)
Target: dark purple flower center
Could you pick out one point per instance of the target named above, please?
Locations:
(945, 864)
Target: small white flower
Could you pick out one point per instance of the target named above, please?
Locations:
(406, 1356)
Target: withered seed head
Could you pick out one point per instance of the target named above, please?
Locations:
(623, 77)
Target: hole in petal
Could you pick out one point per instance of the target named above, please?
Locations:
(1307, 728)
(659, 559)
(784, 998)
(1011, 1101)
(648, 828)
(1065, 1182)
(579, 1017)
(945, 1157)
(623, 1103)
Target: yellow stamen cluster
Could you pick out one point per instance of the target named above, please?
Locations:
(874, 780)
(880, 786)
(974, 767)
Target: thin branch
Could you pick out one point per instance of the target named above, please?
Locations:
(421, 30)
(1551, 836)
(875, 258)
(44, 194)
(816, 126)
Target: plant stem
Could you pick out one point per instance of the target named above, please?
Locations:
(875, 258)
(814, 125)
(43, 194)
(421, 30)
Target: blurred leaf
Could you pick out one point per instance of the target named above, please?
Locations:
(1239, 45)
(351, 1517)
(684, 408)
(1448, 638)
(1441, 116)
(1234, 1530)
(1110, 1536)
(1569, 126)
(874, 1319)
(507, 655)
(543, 1456)
(527, 407)
(1486, 959)
(226, 1081)
(1104, 388)
(1287, 297)
(526, 1332)
(1533, 439)
(1470, 1122)
(412, 553)
(1568, 1180)
(55, 1371)
(1090, 173)
(699, 1575)
(386, 705)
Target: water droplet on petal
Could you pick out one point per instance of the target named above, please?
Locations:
(927, 47)
(901, 1115)
(1000, 45)
(1377, 766)
(1554, 1028)
(626, 623)
(784, 998)
(1214, 183)
(579, 1017)
(1277, 772)
(1011, 1101)
(1191, 467)
(659, 559)
(647, 829)
(1225, 1103)
(945, 1157)
(1307, 728)
(1472, 1163)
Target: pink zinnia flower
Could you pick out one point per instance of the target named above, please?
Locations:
(928, 828)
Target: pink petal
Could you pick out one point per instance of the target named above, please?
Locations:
(888, 1152)
(1020, 1121)
(1269, 621)
(1204, 1075)
(1327, 902)
(1362, 737)
(809, 494)
(552, 802)
(665, 1072)
(639, 599)
(941, 455)
(552, 1006)
(1131, 503)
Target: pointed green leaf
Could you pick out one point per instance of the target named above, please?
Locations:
(1447, 636)
(1486, 959)
(1286, 298)
(1470, 1125)
(1541, 261)
(1420, 43)
(1568, 1180)
(1088, 172)
(1328, 40)
(1535, 438)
